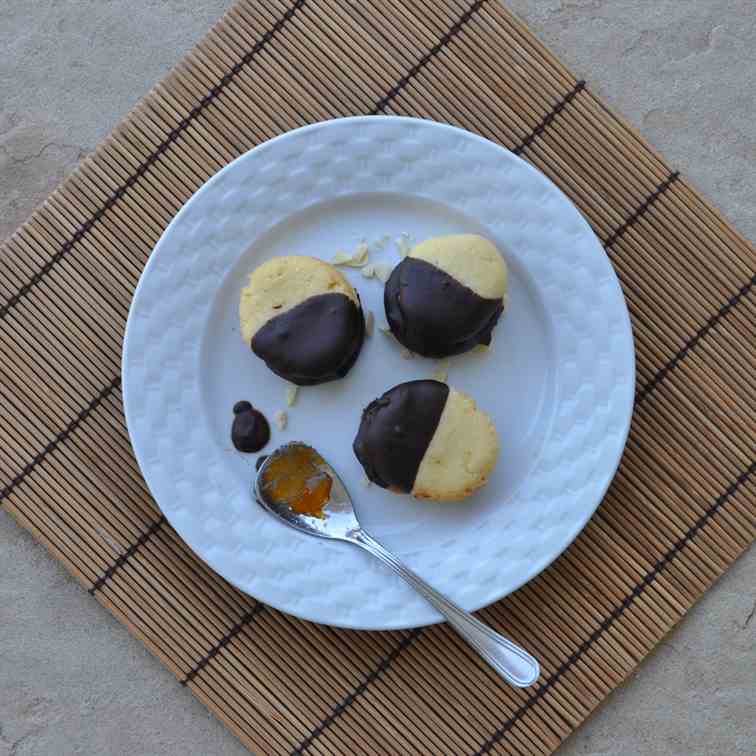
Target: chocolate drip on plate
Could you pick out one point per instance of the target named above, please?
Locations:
(250, 430)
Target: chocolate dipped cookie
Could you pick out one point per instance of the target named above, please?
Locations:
(446, 296)
(426, 439)
(303, 318)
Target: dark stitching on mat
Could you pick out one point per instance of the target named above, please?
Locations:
(222, 643)
(617, 612)
(145, 166)
(382, 667)
(633, 219)
(550, 116)
(127, 555)
(395, 91)
(661, 374)
(60, 437)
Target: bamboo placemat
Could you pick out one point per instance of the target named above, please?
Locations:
(679, 512)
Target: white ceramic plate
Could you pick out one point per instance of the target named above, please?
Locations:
(558, 381)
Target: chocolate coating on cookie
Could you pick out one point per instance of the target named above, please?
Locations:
(315, 341)
(396, 430)
(433, 314)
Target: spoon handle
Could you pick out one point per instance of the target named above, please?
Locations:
(513, 663)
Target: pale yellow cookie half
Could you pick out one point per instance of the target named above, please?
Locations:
(462, 452)
(282, 283)
(472, 260)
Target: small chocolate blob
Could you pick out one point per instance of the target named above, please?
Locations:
(242, 407)
(250, 430)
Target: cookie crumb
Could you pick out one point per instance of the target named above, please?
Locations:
(356, 259)
(361, 252)
(291, 395)
(404, 244)
(280, 418)
(441, 373)
(382, 272)
(340, 258)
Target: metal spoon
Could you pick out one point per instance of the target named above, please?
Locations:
(339, 522)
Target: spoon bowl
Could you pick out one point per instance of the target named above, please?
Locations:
(337, 518)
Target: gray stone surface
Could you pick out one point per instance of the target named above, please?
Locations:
(72, 681)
